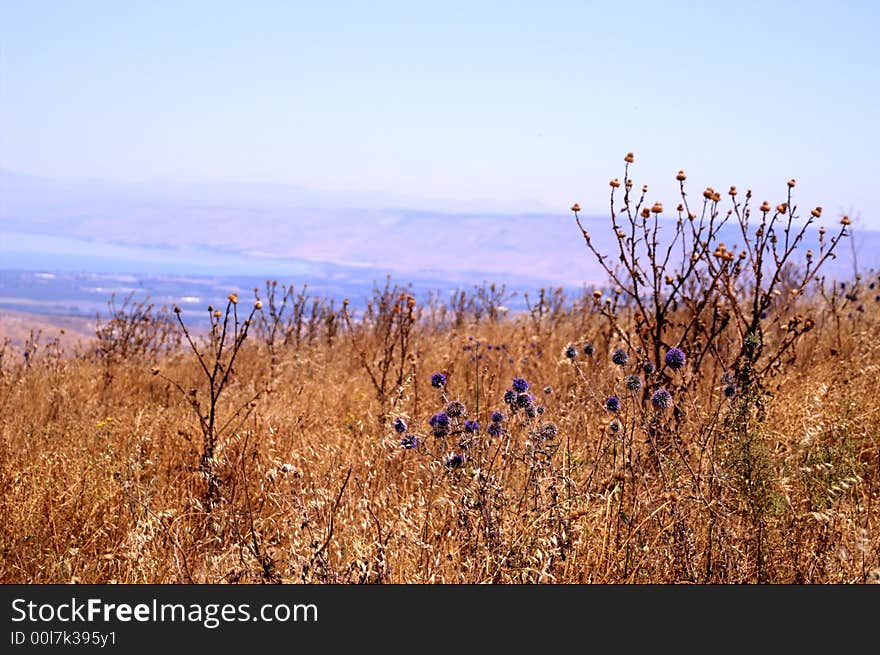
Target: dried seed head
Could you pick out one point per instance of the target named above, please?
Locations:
(732, 191)
(845, 220)
(816, 213)
(791, 183)
(680, 208)
(681, 177)
(629, 184)
(614, 183)
(629, 158)
(258, 304)
(575, 207)
(782, 207)
(646, 213)
(176, 309)
(765, 206)
(644, 188)
(217, 314)
(233, 298)
(597, 294)
(657, 208)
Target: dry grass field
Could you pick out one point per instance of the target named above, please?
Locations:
(705, 418)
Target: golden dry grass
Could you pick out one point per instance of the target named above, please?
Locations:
(100, 478)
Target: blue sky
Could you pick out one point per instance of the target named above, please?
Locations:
(524, 103)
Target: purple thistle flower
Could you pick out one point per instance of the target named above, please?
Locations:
(495, 430)
(619, 357)
(633, 382)
(675, 358)
(520, 385)
(612, 404)
(497, 416)
(440, 423)
(661, 399)
(399, 425)
(524, 400)
(729, 390)
(456, 409)
(648, 368)
(409, 441)
(438, 380)
(454, 461)
(570, 351)
(471, 426)
(589, 349)
(509, 396)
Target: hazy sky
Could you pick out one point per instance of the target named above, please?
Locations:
(532, 101)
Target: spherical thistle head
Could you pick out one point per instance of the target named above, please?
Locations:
(258, 305)
(531, 411)
(782, 207)
(645, 213)
(648, 368)
(816, 212)
(845, 220)
(524, 400)
(681, 177)
(570, 351)
(612, 404)
(471, 426)
(732, 191)
(217, 313)
(657, 208)
(675, 358)
(729, 390)
(409, 441)
(630, 158)
(791, 183)
(708, 193)
(615, 183)
(547, 390)
(497, 416)
(575, 207)
(614, 426)
(619, 356)
(509, 396)
(233, 298)
(455, 409)
(438, 380)
(520, 385)
(597, 294)
(495, 430)
(765, 206)
(177, 309)
(661, 399)
(547, 432)
(633, 382)
(589, 349)
(454, 461)
(399, 425)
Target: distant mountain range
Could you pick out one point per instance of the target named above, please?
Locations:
(254, 230)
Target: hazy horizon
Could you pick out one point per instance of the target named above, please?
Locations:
(505, 105)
